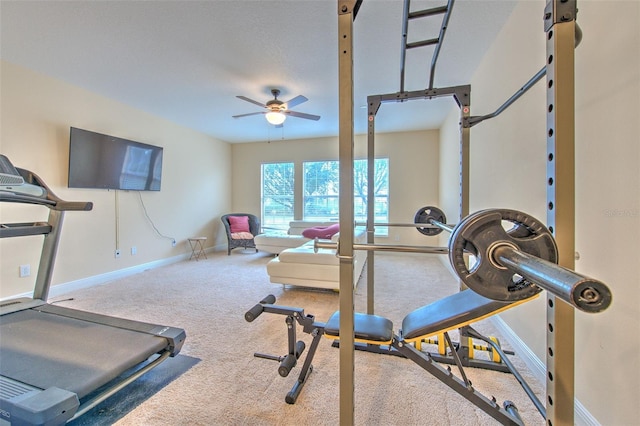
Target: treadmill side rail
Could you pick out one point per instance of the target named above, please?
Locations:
(175, 337)
(10, 306)
(24, 404)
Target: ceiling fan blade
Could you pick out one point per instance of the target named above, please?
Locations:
(244, 98)
(295, 101)
(246, 115)
(302, 115)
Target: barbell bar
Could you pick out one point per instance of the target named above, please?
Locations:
(585, 293)
(382, 247)
(394, 224)
(511, 263)
(515, 263)
(422, 222)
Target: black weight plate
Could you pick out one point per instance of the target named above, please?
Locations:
(425, 215)
(478, 232)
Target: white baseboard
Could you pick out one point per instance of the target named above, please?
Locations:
(60, 289)
(539, 369)
(219, 247)
(70, 286)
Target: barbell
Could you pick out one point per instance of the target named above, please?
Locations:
(422, 219)
(515, 258)
(431, 216)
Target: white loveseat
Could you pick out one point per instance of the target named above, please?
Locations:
(272, 242)
(301, 266)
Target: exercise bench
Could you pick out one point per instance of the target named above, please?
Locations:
(438, 318)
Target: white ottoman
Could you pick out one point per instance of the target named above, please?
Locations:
(301, 266)
(275, 243)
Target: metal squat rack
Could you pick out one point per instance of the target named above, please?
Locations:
(562, 35)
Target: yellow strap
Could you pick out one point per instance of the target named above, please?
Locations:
(495, 356)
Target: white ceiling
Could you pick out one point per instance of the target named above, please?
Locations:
(187, 60)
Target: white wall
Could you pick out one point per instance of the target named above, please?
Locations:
(413, 172)
(449, 179)
(36, 114)
(508, 169)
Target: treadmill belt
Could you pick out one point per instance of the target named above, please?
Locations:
(46, 350)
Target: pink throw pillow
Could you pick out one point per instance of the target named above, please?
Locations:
(322, 232)
(239, 224)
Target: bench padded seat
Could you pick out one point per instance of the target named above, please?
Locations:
(369, 328)
(449, 313)
(446, 314)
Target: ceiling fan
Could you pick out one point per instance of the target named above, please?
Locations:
(277, 111)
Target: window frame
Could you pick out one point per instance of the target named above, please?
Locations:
(267, 220)
(332, 193)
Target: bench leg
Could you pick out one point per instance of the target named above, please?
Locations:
(307, 368)
(424, 360)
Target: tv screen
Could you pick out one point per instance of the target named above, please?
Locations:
(107, 162)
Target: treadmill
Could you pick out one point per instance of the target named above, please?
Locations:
(57, 363)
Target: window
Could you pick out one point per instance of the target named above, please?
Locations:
(321, 188)
(320, 192)
(277, 195)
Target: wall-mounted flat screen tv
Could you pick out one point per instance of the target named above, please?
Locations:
(107, 162)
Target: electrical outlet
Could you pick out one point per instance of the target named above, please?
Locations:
(25, 271)
(116, 253)
(134, 250)
(173, 243)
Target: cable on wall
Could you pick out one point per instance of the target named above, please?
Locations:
(117, 220)
(146, 215)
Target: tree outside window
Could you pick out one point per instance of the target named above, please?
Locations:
(320, 190)
(322, 186)
(380, 190)
(277, 195)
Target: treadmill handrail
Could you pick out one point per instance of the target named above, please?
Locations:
(57, 208)
(52, 200)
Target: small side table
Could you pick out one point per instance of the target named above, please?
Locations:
(197, 247)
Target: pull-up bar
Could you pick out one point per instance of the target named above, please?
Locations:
(406, 17)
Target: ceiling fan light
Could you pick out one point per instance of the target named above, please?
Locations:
(275, 118)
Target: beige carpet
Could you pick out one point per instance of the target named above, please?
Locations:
(217, 380)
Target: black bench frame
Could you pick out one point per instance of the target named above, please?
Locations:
(396, 345)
